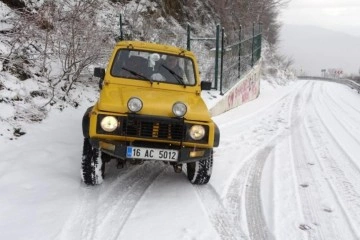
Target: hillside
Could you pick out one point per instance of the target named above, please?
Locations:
(43, 69)
(48, 49)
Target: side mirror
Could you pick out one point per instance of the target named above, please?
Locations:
(100, 73)
(205, 85)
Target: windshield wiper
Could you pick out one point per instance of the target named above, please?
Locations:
(137, 74)
(177, 77)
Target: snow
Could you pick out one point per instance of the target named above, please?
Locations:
(286, 168)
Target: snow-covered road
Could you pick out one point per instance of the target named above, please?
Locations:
(288, 167)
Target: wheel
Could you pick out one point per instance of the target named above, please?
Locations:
(92, 166)
(200, 172)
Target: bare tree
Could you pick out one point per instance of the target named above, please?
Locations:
(77, 39)
(246, 12)
(66, 33)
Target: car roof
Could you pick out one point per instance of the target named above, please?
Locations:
(141, 45)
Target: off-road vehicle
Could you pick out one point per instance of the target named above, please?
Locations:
(149, 109)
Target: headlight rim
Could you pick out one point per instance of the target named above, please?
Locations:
(112, 129)
(174, 110)
(191, 132)
(134, 99)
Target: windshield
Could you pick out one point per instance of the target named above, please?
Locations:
(153, 67)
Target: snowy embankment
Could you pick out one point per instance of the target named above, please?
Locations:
(287, 168)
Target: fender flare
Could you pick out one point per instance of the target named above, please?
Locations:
(86, 122)
(216, 136)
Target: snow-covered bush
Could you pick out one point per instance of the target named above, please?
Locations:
(276, 69)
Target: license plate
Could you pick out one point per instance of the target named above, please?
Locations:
(152, 153)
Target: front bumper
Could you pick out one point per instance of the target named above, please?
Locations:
(119, 149)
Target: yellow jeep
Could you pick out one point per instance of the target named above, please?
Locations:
(150, 109)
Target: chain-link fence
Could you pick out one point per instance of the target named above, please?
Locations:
(229, 54)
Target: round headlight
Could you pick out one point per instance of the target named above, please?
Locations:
(197, 132)
(179, 109)
(109, 123)
(134, 104)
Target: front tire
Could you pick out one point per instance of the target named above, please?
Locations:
(92, 166)
(200, 172)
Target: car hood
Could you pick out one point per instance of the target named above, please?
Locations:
(157, 102)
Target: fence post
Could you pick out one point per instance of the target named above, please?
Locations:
(260, 37)
(222, 61)
(217, 55)
(252, 47)
(239, 64)
(188, 38)
(121, 30)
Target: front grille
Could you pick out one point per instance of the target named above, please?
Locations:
(162, 129)
(150, 127)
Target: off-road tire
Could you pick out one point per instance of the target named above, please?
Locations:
(92, 166)
(200, 172)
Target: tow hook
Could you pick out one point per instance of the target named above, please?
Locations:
(177, 168)
(120, 164)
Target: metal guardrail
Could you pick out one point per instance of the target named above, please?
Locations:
(347, 82)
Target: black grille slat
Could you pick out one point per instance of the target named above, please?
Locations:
(130, 128)
(146, 129)
(163, 130)
(177, 131)
(153, 128)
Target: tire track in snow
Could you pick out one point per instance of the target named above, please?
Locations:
(253, 172)
(347, 104)
(81, 217)
(308, 189)
(305, 155)
(227, 220)
(244, 193)
(268, 130)
(300, 157)
(342, 188)
(218, 214)
(253, 205)
(254, 212)
(103, 210)
(353, 130)
(247, 180)
(335, 177)
(248, 183)
(234, 200)
(333, 230)
(351, 159)
(112, 219)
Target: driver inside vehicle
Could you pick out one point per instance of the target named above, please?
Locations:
(170, 71)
